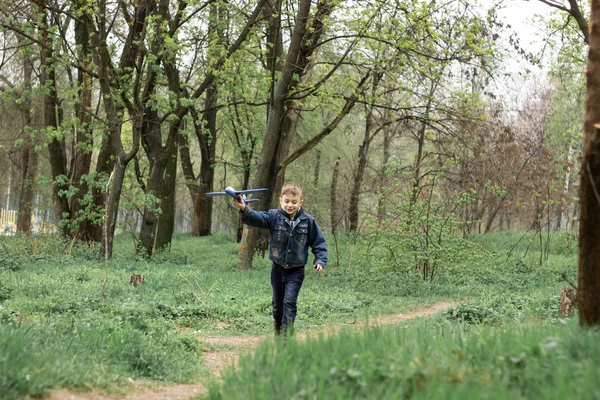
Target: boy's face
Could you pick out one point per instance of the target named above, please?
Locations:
(290, 203)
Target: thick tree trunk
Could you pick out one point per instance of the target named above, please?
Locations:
(82, 157)
(207, 137)
(166, 220)
(156, 188)
(55, 145)
(359, 175)
(29, 158)
(187, 167)
(588, 293)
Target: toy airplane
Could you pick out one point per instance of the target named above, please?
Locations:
(236, 194)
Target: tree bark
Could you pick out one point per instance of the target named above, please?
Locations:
(55, 145)
(207, 137)
(363, 153)
(588, 293)
(166, 220)
(29, 158)
(383, 183)
(82, 156)
(335, 204)
(113, 198)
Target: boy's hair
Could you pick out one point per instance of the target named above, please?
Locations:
(291, 188)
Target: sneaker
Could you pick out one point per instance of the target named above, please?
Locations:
(277, 328)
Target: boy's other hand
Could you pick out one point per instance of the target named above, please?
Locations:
(239, 203)
(319, 268)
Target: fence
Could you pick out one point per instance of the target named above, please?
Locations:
(8, 223)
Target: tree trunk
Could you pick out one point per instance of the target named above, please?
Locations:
(187, 167)
(416, 178)
(363, 154)
(335, 204)
(588, 293)
(104, 165)
(274, 140)
(112, 205)
(166, 220)
(82, 157)
(29, 158)
(207, 137)
(317, 170)
(113, 145)
(383, 183)
(563, 216)
(155, 187)
(55, 145)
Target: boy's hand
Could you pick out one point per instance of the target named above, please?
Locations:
(319, 268)
(239, 203)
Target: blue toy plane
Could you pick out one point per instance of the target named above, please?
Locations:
(236, 194)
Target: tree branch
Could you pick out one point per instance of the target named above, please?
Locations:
(325, 132)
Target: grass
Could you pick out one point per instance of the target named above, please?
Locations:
(425, 359)
(56, 331)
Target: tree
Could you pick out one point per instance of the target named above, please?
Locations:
(29, 155)
(283, 112)
(588, 293)
(573, 11)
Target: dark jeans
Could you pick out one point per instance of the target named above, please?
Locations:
(286, 285)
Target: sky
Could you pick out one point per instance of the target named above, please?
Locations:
(519, 14)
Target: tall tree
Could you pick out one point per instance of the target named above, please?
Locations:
(29, 155)
(158, 153)
(115, 98)
(283, 111)
(588, 294)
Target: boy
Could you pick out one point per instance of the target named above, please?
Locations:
(292, 231)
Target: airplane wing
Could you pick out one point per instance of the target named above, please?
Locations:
(231, 192)
(215, 193)
(250, 191)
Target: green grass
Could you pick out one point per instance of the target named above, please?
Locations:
(55, 329)
(427, 359)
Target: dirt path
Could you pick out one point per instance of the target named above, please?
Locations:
(217, 361)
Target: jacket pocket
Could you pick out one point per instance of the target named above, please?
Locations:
(301, 235)
(279, 233)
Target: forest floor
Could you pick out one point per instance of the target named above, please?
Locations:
(218, 360)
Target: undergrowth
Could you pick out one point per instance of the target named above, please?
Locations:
(56, 330)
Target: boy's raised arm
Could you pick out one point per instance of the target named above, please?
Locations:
(259, 219)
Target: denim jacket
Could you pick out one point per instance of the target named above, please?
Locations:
(289, 240)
